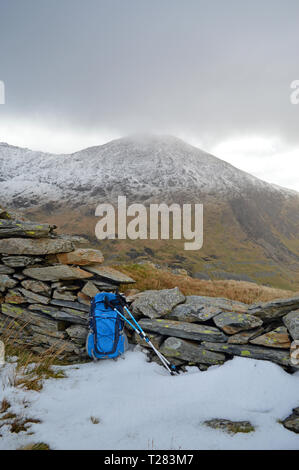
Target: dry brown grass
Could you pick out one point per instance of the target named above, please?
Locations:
(36, 446)
(31, 368)
(7, 416)
(94, 420)
(22, 424)
(4, 405)
(148, 277)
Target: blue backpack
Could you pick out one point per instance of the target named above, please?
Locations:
(106, 338)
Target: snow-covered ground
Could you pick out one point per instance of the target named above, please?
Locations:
(139, 406)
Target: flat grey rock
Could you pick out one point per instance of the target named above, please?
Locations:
(63, 345)
(232, 322)
(292, 422)
(68, 315)
(194, 310)
(223, 304)
(109, 274)
(6, 282)
(28, 317)
(69, 304)
(37, 286)
(77, 333)
(278, 338)
(244, 336)
(90, 289)
(34, 330)
(274, 309)
(291, 321)
(19, 261)
(6, 269)
(56, 273)
(42, 246)
(185, 350)
(104, 286)
(14, 296)
(157, 303)
(33, 297)
(183, 330)
(19, 228)
(253, 352)
(64, 296)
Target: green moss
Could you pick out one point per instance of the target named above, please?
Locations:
(245, 353)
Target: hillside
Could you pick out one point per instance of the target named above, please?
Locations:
(250, 227)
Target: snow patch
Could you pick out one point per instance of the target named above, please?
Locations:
(139, 406)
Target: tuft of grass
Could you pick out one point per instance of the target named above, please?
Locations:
(94, 420)
(4, 405)
(8, 416)
(22, 424)
(36, 446)
(31, 368)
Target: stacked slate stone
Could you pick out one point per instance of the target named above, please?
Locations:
(46, 284)
(207, 331)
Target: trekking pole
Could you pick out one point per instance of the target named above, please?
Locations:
(162, 359)
(170, 367)
(146, 338)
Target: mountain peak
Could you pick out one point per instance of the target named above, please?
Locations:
(144, 167)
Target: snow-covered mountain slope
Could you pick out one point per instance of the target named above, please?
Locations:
(250, 227)
(143, 168)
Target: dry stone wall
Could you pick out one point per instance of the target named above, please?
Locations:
(207, 331)
(47, 282)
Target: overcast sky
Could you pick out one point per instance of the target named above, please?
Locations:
(215, 73)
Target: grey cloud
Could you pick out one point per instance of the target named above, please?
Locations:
(208, 68)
